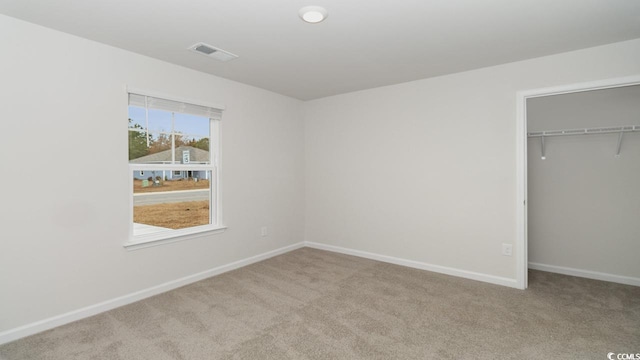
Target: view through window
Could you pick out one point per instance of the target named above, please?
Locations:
(173, 153)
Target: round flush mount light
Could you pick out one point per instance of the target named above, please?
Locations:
(313, 14)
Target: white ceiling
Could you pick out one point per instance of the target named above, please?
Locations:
(362, 44)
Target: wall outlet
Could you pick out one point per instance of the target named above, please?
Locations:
(507, 249)
(263, 231)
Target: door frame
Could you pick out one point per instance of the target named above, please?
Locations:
(521, 252)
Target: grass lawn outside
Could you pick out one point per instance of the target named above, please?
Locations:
(173, 215)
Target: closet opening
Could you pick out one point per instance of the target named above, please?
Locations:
(578, 181)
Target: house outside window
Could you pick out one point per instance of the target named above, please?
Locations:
(174, 168)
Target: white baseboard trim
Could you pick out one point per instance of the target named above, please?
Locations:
(627, 280)
(46, 324)
(418, 265)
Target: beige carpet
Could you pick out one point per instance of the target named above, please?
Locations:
(312, 304)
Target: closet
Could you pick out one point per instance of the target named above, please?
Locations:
(583, 183)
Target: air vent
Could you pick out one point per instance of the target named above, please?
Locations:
(205, 49)
(212, 52)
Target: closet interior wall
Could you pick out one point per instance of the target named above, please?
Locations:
(583, 201)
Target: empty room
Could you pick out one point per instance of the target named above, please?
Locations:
(437, 179)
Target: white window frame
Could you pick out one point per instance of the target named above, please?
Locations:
(216, 224)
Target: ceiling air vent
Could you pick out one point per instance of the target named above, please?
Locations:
(212, 52)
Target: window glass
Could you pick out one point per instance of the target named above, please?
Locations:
(171, 164)
(164, 202)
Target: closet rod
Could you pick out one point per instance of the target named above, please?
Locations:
(586, 131)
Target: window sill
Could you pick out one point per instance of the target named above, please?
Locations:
(145, 241)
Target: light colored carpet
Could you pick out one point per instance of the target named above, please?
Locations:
(312, 304)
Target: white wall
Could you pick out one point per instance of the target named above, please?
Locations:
(64, 111)
(584, 203)
(426, 170)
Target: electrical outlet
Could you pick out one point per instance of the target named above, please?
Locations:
(263, 231)
(507, 249)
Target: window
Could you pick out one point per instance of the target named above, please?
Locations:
(173, 167)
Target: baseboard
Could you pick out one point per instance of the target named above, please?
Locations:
(50, 323)
(627, 280)
(418, 265)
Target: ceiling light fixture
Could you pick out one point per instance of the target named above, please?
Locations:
(313, 14)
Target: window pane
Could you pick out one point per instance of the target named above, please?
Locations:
(196, 141)
(137, 143)
(159, 120)
(194, 151)
(192, 135)
(160, 145)
(156, 120)
(153, 135)
(170, 199)
(137, 117)
(192, 125)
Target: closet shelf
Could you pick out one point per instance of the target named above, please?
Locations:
(586, 131)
